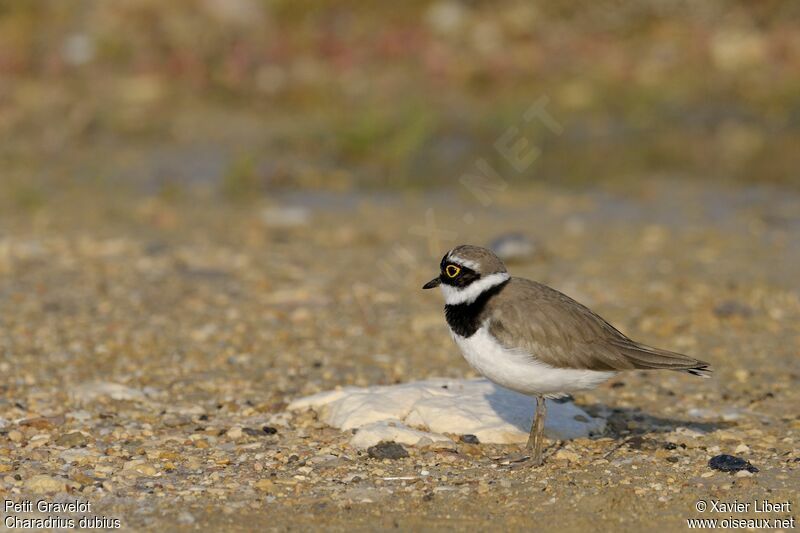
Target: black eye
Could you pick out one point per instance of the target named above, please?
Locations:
(452, 271)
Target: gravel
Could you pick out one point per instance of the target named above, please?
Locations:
(131, 376)
(387, 450)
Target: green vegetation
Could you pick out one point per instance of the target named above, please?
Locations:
(402, 95)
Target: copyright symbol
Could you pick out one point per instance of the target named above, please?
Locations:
(700, 506)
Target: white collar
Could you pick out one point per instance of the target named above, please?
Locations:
(470, 293)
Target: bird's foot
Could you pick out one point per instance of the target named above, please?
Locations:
(513, 458)
(516, 461)
(535, 461)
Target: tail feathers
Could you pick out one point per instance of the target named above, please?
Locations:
(703, 371)
(647, 357)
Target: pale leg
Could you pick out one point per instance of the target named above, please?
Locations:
(536, 438)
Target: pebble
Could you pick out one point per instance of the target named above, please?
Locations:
(285, 216)
(730, 463)
(513, 247)
(387, 450)
(186, 518)
(265, 485)
(567, 455)
(90, 392)
(731, 308)
(74, 439)
(234, 433)
(140, 467)
(42, 484)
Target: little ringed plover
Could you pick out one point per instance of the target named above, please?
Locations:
(532, 339)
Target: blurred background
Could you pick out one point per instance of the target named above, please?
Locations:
(238, 98)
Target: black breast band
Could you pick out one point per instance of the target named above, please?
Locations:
(465, 319)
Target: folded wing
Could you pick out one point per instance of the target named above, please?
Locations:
(562, 333)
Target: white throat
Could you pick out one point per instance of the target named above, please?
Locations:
(468, 294)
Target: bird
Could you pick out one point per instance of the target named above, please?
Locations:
(535, 340)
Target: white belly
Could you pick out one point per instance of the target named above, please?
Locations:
(521, 372)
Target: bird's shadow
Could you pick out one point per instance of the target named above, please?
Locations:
(621, 422)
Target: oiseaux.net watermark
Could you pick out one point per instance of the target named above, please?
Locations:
(721, 514)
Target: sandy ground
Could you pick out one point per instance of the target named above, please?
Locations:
(148, 349)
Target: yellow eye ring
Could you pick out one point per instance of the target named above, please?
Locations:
(452, 271)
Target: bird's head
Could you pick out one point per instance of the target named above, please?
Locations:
(466, 272)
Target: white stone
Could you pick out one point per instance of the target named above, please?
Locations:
(437, 406)
(396, 431)
(285, 216)
(89, 392)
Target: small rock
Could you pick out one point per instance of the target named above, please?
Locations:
(729, 463)
(37, 441)
(641, 443)
(42, 484)
(731, 308)
(513, 247)
(285, 216)
(742, 448)
(140, 467)
(470, 439)
(324, 460)
(90, 392)
(83, 479)
(147, 470)
(269, 430)
(234, 433)
(74, 439)
(387, 450)
(567, 455)
(38, 423)
(186, 518)
(265, 485)
(15, 436)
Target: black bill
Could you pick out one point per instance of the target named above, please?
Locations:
(435, 282)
